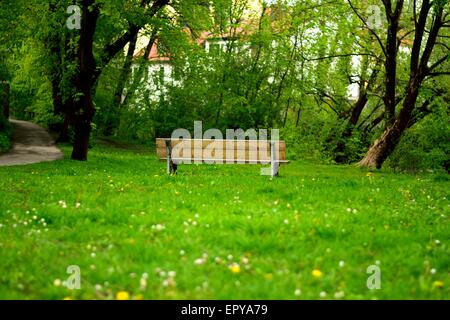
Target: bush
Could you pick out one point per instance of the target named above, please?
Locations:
(344, 148)
(306, 141)
(5, 134)
(424, 147)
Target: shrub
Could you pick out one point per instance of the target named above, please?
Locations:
(5, 134)
(425, 146)
(307, 140)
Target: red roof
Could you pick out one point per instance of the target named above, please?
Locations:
(156, 55)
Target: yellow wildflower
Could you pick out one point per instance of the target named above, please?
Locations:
(438, 284)
(317, 273)
(122, 295)
(235, 268)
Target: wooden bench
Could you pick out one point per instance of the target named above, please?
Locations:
(186, 151)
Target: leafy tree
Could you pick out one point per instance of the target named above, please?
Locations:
(429, 23)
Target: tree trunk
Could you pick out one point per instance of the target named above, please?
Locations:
(64, 133)
(385, 145)
(81, 141)
(381, 148)
(82, 123)
(58, 106)
(297, 119)
(125, 72)
(393, 17)
(84, 81)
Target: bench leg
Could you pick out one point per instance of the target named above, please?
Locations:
(168, 166)
(171, 167)
(274, 165)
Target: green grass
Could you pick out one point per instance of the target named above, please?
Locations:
(278, 231)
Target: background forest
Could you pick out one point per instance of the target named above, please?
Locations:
(334, 75)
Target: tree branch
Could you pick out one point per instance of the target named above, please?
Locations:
(439, 62)
(340, 56)
(444, 45)
(432, 38)
(113, 48)
(437, 74)
(367, 26)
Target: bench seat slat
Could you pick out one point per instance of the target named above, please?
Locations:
(231, 161)
(237, 156)
(237, 144)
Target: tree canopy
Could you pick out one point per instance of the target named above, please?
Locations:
(345, 80)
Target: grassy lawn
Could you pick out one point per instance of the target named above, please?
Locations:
(220, 232)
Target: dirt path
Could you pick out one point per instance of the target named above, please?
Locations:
(31, 144)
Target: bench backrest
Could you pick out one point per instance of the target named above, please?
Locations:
(221, 151)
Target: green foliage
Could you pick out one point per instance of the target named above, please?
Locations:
(5, 134)
(340, 146)
(306, 141)
(106, 117)
(425, 146)
(42, 108)
(275, 66)
(30, 90)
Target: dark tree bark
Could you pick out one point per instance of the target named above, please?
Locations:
(368, 125)
(391, 52)
(83, 105)
(112, 49)
(297, 118)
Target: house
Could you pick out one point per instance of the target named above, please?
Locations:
(161, 69)
(160, 66)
